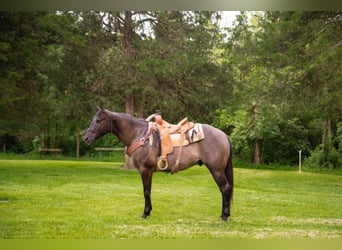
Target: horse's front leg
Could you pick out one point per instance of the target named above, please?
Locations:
(146, 176)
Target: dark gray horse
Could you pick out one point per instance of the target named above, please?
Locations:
(214, 151)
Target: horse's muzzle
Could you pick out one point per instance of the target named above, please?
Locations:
(87, 140)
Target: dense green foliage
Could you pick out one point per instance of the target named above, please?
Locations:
(272, 81)
(93, 200)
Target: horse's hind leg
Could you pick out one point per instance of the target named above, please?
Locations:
(225, 188)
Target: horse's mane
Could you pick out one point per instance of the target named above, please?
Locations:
(129, 118)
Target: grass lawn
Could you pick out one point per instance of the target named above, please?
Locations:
(92, 200)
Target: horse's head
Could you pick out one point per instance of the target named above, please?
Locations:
(97, 127)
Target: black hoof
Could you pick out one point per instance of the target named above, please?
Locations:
(224, 218)
(144, 216)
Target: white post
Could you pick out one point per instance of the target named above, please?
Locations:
(300, 161)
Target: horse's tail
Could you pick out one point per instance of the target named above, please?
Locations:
(229, 170)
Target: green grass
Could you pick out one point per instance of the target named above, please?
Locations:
(92, 200)
(116, 156)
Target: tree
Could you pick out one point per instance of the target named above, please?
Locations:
(277, 77)
(80, 58)
(168, 67)
(25, 42)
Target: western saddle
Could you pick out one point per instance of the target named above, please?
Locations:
(172, 136)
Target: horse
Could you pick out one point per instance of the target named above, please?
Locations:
(215, 151)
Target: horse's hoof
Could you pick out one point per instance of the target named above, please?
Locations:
(144, 216)
(224, 218)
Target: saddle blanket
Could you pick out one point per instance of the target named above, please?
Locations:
(196, 133)
(193, 135)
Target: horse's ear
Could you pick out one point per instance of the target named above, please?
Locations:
(99, 107)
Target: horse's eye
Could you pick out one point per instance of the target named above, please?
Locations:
(97, 121)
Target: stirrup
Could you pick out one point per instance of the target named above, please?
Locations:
(160, 163)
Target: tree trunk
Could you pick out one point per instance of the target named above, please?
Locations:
(47, 138)
(326, 139)
(78, 136)
(128, 48)
(128, 45)
(129, 104)
(128, 162)
(257, 152)
(56, 136)
(141, 107)
(257, 142)
(4, 143)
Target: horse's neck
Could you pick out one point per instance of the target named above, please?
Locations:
(127, 128)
